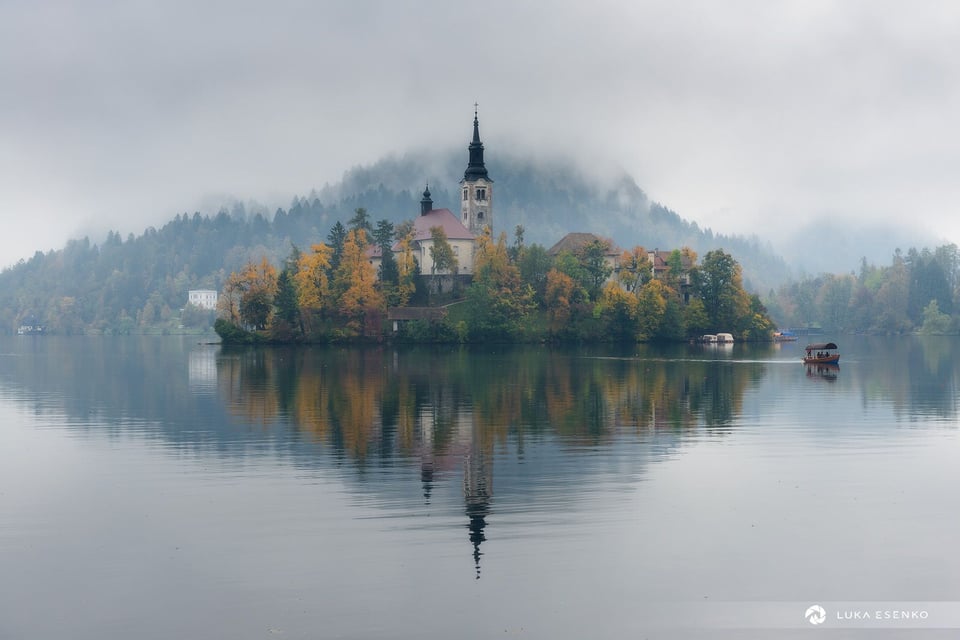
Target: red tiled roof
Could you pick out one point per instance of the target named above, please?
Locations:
(442, 218)
(575, 241)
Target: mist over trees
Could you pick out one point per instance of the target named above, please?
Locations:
(917, 291)
(140, 282)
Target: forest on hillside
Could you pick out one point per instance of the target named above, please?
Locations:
(141, 281)
(918, 291)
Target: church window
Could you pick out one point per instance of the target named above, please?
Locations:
(480, 215)
(466, 193)
(481, 194)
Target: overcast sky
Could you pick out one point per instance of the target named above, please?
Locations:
(741, 116)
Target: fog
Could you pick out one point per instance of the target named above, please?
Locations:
(747, 117)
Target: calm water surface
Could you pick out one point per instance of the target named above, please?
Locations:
(159, 488)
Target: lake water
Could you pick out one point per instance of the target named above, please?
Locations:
(160, 488)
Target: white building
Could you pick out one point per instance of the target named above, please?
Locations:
(461, 240)
(203, 298)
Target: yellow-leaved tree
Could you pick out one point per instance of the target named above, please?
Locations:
(313, 284)
(558, 298)
(259, 283)
(357, 279)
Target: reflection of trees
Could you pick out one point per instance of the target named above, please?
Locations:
(452, 410)
(923, 380)
(429, 402)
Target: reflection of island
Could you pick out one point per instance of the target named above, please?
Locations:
(447, 412)
(423, 428)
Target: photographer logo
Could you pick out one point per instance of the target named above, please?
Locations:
(815, 614)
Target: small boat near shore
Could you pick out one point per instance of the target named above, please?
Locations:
(822, 353)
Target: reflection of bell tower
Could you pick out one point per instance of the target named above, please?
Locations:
(478, 489)
(476, 188)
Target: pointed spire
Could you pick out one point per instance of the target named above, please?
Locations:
(475, 167)
(426, 204)
(476, 125)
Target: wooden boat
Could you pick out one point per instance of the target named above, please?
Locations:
(725, 338)
(784, 336)
(822, 353)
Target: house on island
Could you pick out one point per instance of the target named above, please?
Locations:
(658, 260)
(576, 242)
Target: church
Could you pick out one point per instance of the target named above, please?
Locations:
(476, 214)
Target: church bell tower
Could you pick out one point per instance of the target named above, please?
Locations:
(476, 188)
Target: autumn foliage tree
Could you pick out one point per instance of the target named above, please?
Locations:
(259, 283)
(558, 298)
(248, 296)
(313, 283)
(357, 279)
(499, 300)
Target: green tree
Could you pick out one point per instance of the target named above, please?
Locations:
(720, 286)
(593, 257)
(407, 267)
(534, 265)
(498, 300)
(833, 302)
(383, 237)
(360, 220)
(443, 260)
(335, 240)
(893, 297)
(935, 322)
(516, 251)
(288, 309)
(758, 325)
(695, 319)
(259, 283)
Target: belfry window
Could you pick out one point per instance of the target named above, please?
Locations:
(481, 194)
(466, 193)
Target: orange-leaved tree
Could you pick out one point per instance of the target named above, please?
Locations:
(357, 279)
(313, 283)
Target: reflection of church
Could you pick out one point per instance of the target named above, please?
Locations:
(472, 450)
(478, 489)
